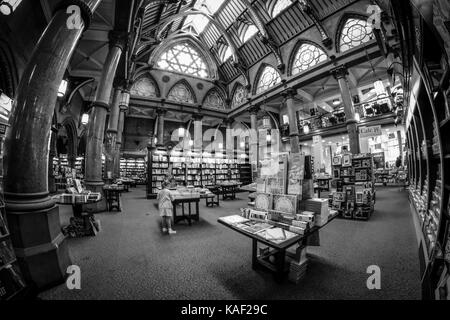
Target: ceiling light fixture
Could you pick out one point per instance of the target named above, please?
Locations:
(62, 88)
(85, 119)
(8, 6)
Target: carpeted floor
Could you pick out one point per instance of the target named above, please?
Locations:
(131, 259)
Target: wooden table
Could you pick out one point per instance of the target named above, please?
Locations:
(112, 195)
(212, 199)
(190, 216)
(279, 251)
(229, 191)
(82, 224)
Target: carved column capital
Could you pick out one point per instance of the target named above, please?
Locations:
(253, 110)
(118, 39)
(289, 93)
(340, 72)
(161, 112)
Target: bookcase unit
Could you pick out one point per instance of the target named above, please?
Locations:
(134, 168)
(11, 280)
(194, 170)
(427, 124)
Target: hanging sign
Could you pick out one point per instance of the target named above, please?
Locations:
(367, 132)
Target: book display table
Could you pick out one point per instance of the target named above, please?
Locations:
(189, 201)
(277, 241)
(228, 191)
(112, 196)
(82, 224)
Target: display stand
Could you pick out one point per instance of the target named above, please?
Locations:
(353, 179)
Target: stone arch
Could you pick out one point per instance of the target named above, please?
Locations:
(259, 73)
(8, 70)
(186, 84)
(345, 17)
(141, 77)
(294, 51)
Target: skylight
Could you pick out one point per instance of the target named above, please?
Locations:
(199, 22)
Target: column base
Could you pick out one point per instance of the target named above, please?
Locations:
(40, 247)
(97, 207)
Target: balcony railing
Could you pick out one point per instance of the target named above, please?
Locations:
(366, 111)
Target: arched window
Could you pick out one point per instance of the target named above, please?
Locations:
(181, 93)
(248, 32)
(185, 59)
(308, 55)
(226, 54)
(239, 96)
(214, 100)
(269, 77)
(279, 6)
(354, 33)
(144, 87)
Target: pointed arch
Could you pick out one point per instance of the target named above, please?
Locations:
(182, 92)
(238, 95)
(246, 31)
(186, 55)
(214, 99)
(266, 77)
(304, 56)
(145, 86)
(275, 7)
(353, 30)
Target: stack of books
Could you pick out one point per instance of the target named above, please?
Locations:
(320, 209)
(297, 271)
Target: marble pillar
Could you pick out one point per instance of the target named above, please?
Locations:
(96, 127)
(111, 135)
(160, 136)
(253, 152)
(293, 125)
(340, 74)
(123, 108)
(33, 216)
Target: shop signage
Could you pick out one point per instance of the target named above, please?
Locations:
(366, 132)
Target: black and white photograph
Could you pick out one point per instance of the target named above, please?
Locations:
(224, 157)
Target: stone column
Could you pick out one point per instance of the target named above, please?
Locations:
(123, 107)
(340, 74)
(293, 125)
(160, 136)
(111, 134)
(253, 152)
(96, 126)
(198, 132)
(229, 139)
(33, 216)
(52, 154)
(317, 152)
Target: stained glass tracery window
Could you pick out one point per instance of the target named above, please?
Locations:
(185, 59)
(239, 97)
(144, 87)
(180, 93)
(269, 78)
(307, 56)
(250, 31)
(214, 100)
(355, 33)
(279, 6)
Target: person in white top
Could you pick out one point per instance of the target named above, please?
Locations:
(166, 208)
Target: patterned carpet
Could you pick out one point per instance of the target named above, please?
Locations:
(131, 259)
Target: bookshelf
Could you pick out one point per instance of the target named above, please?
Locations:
(134, 168)
(194, 169)
(11, 280)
